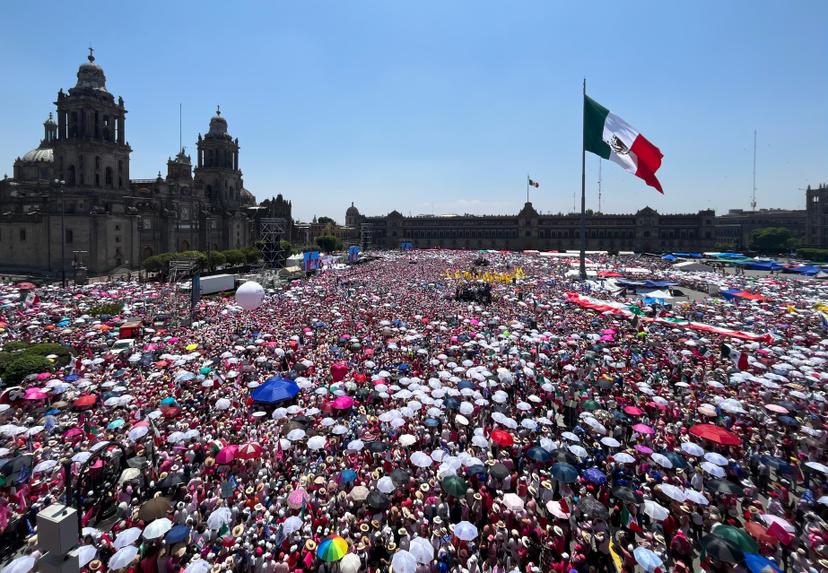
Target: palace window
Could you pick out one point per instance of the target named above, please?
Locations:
(70, 236)
(22, 234)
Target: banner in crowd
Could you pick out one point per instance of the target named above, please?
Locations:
(406, 246)
(630, 311)
(310, 261)
(487, 276)
(353, 254)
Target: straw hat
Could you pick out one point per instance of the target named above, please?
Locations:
(209, 462)
(238, 530)
(95, 565)
(424, 487)
(249, 490)
(310, 545)
(363, 527)
(179, 549)
(477, 496)
(391, 546)
(558, 531)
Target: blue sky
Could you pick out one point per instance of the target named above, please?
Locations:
(436, 106)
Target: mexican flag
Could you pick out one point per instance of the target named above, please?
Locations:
(533, 183)
(608, 136)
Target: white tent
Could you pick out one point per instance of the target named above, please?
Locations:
(693, 266)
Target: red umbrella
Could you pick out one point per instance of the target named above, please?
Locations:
(72, 433)
(248, 451)
(226, 455)
(342, 403)
(633, 410)
(85, 401)
(502, 438)
(760, 533)
(716, 434)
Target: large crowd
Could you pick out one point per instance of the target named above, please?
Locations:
(527, 433)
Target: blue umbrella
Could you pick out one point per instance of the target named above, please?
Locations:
(647, 559)
(788, 421)
(539, 454)
(451, 403)
(168, 401)
(758, 564)
(404, 367)
(52, 412)
(71, 378)
(177, 534)
(564, 473)
(596, 476)
(347, 476)
(465, 384)
(275, 390)
(431, 422)
(115, 424)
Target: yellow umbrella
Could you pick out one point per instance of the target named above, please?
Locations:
(191, 347)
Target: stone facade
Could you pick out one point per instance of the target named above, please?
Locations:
(78, 180)
(643, 231)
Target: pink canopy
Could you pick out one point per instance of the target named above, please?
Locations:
(342, 403)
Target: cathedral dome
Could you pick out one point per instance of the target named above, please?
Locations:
(218, 125)
(91, 75)
(352, 211)
(41, 154)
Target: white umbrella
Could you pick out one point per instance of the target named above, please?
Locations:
(656, 510)
(137, 433)
(421, 459)
(81, 457)
(480, 442)
(197, 565)
(661, 460)
(715, 458)
(127, 537)
(713, 469)
(86, 553)
(623, 458)
(385, 484)
(20, 565)
(696, 496)
(349, 564)
(403, 562)
(219, 517)
(692, 449)
(296, 434)
(291, 524)
(817, 466)
(44, 466)
(465, 531)
(157, 528)
(356, 445)
(673, 492)
(407, 439)
(339, 430)
(610, 442)
(222, 404)
(122, 558)
(317, 442)
(578, 451)
(513, 502)
(422, 550)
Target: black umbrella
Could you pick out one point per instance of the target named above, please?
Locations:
(592, 507)
(171, 481)
(376, 447)
(137, 462)
(626, 494)
(565, 456)
(378, 500)
(400, 476)
(499, 471)
(724, 486)
(721, 549)
(154, 508)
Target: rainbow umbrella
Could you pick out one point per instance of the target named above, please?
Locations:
(332, 549)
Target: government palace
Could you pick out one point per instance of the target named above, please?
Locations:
(71, 202)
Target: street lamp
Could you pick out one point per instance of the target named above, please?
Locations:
(60, 183)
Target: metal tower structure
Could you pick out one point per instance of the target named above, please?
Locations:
(366, 236)
(271, 231)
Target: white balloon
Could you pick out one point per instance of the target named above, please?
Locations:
(250, 295)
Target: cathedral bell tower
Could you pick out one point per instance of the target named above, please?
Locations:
(217, 171)
(90, 149)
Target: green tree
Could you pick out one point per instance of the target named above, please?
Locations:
(234, 257)
(286, 247)
(25, 364)
(215, 259)
(817, 255)
(328, 243)
(772, 239)
(251, 255)
(325, 221)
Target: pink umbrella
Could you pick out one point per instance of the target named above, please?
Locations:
(226, 455)
(72, 433)
(643, 449)
(44, 375)
(298, 497)
(342, 403)
(338, 371)
(633, 410)
(643, 429)
(35, 394)
(776, 408)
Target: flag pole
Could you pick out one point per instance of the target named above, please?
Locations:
(582, 259)
(527, 187)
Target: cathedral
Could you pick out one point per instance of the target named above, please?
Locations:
(71, 201)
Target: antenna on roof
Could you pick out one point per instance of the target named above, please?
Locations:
(599, 184)
(180, 144)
